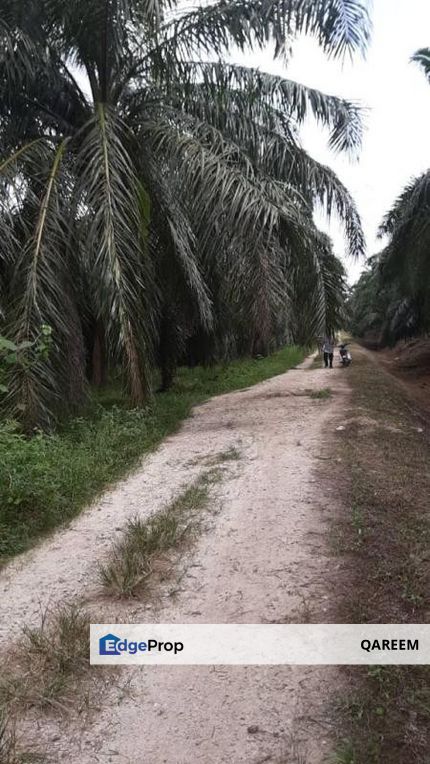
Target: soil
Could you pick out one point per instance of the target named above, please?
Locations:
(264, 556)
(409, 362)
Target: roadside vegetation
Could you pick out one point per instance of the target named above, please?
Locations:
(48, 669)
(45, 668)
(321, 395)
(391, 300)
(384, 453)
(145, 229)
(49, 478)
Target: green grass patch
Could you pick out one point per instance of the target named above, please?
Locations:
(321, 395)
(134, 556)
(48, 479)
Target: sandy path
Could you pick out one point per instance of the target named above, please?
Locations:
(264, 558)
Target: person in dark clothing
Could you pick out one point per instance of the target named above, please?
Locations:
(328, 349)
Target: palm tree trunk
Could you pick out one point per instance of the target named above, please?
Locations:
(98, 360)
(138, 377)
(169, 348)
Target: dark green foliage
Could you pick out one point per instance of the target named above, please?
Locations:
(167, 202)
(318, 294)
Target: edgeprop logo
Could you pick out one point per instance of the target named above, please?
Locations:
(110, 644)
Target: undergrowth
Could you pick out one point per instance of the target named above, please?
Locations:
(47, 479)
(47, 663)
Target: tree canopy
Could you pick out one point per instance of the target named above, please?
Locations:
(156, 201)
(392, 299)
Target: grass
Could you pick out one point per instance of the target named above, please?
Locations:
(47, 480)
(8, 753)
(344, 755)
(46, 665)
(49, 668)
(134, 558)
(322, 394)
(229, 455)
(386, 534)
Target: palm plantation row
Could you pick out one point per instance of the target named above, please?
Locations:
(391, 301)
(156, 202)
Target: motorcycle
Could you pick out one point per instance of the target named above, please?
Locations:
(345, 355)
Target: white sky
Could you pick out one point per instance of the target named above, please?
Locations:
(397, 141)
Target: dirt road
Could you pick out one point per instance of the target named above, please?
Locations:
(264, 557)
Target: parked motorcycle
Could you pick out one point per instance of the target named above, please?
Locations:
(345, 355)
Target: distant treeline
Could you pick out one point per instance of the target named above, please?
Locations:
(391, 300)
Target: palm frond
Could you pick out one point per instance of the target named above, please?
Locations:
(222, 181)
(326, 188)
(422, 58)
(340, 26)
(225, 87)
(402, 206)
(17, 54)
(109, 189)
(317, 293)
(174, 206)
(40, 295)
(177, 239)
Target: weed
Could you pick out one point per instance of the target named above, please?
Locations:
(291, 751)
(344, 754)
(322, 394)
(317, 363)
(230, 455)
(132, 559)
(308, 392)
(47, 662)
(8, 753)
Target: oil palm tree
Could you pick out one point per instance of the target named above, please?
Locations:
(402, 270)
(318, 294)
(149, 189)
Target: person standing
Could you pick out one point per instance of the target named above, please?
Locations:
(328, 349)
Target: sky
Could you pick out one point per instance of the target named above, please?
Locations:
(396, 143)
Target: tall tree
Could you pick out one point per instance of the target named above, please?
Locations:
(397, 288)
(150, 191)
